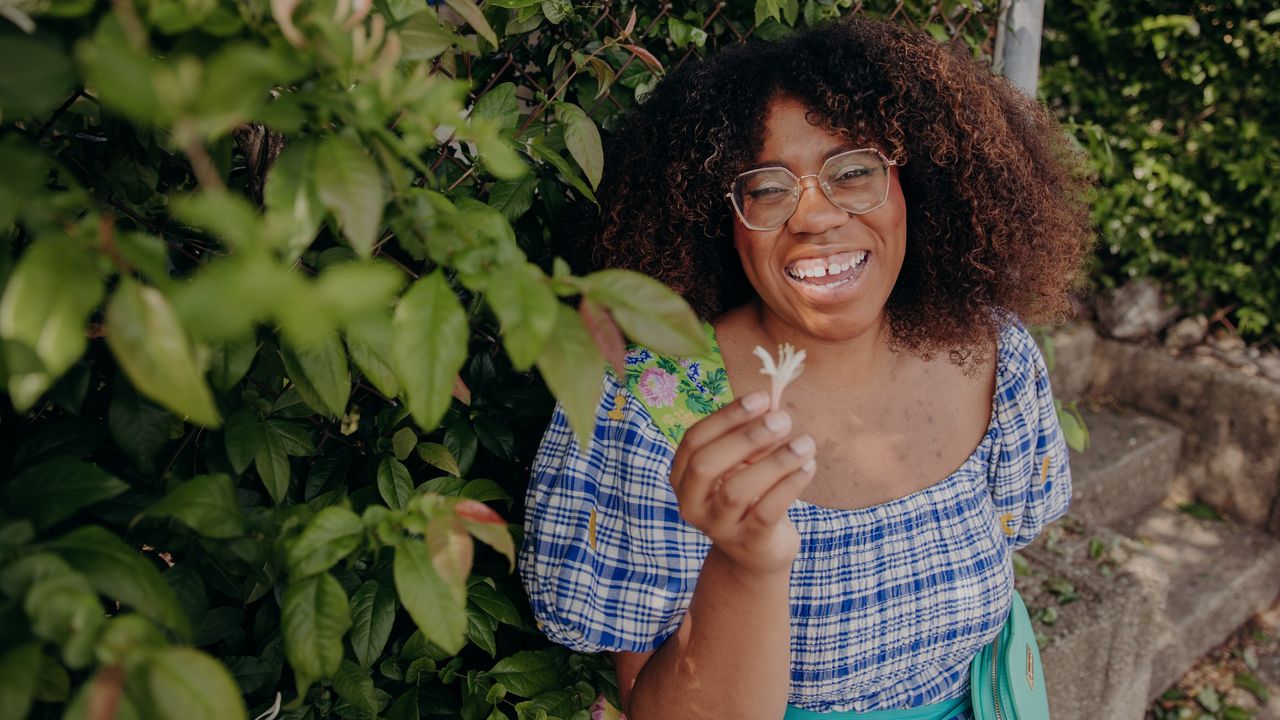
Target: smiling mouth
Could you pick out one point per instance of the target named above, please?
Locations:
(830, 272)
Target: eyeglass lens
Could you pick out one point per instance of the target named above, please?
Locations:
(855, 181)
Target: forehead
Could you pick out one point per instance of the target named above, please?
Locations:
(795, 135)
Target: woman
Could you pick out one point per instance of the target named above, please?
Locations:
(887, 205)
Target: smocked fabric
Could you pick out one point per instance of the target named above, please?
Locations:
(889, 603)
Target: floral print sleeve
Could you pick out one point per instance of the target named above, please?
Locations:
(678, 392)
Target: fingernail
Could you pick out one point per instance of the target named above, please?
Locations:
(809, 465)
(755, 402)
(802, 445)
(776, 421)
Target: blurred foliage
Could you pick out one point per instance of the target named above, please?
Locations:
(277, 306)
(1178, 104)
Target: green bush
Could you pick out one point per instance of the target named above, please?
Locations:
(278, 303)
(1178, 104)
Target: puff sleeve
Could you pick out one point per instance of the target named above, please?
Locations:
(606, 560)
(1031, 479)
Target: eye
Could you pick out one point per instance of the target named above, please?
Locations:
(852, 174)
(768, 192)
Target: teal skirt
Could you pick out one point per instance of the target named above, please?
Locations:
(937, 711)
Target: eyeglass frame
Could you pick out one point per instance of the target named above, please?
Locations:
(800, 188)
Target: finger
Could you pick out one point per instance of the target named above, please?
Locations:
(717, 458)
(774, 503)
(743, 490)
(731, 416)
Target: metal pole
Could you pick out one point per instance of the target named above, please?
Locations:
(1018, 43)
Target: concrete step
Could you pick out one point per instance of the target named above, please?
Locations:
(1219, 574)
(1128, 467)
(1094, 597)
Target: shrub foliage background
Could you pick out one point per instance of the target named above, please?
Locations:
(1178, 104)
(278, 307)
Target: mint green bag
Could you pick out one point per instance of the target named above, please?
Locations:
(1006, 679)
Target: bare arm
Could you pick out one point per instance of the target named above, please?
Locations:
(731, 655)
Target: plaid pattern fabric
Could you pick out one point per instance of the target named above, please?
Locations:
(888, 603)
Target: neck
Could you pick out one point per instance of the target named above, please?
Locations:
(848, 367)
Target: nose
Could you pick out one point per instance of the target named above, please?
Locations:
(815, 214)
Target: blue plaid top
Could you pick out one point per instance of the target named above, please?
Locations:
(889, 603)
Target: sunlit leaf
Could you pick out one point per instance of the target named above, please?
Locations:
(144, 334)
(429, 347)
(583, 139)
(45, 306)
(350, 185)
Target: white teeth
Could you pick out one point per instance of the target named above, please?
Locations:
(819, 268)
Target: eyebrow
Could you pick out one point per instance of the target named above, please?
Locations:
(843, 147)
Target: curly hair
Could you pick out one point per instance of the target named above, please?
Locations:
(996, 217)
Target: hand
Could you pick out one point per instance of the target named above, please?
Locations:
(736, 473)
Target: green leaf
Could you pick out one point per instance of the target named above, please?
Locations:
(320, 374)
(434, 604)
(574, 371)
(46, 304)
(527, 673)
(513, 198)
(480, 631)
(583, 140)
(354, 684)
(422, 37)
(648, 311)
(293, 438)
(19, 671)
(494, 602)
(562, 165)
(1200, 510)
(349, 184)
(206, 504)
(499, 106)
(243, 437)
(403, 441)
(330, 535)
(369, 342)
(314, 617)
(228, 216)
(54, 490)
(394, 484)
(53, 684)
(1250, 682)
(139, 427)
(190, 684)
(229, 362)
(469, 12)
(526, 308)
(144, 334)
(429, 347)
(251, 673)
(293, 205)
(373, 612)
(120, 572)
(272, 463)
(35, 75)
(438, 456)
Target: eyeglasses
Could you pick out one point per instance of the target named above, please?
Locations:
(856, 181)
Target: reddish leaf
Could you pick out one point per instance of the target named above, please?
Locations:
(605, 334)
(631, 24)
(646, 56)
(477, 511)
(451, 551)
(461, 391)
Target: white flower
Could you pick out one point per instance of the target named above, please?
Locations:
(790, 363)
